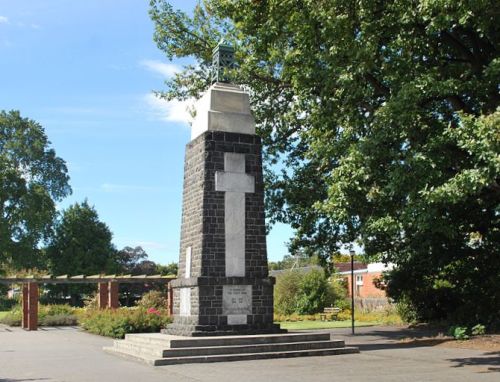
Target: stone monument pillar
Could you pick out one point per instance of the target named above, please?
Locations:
(223, 286)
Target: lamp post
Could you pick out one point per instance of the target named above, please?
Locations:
(352, 254)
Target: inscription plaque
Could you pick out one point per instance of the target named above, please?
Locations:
(185, 302)
(236, 299)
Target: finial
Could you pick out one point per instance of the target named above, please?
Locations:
(222, 60)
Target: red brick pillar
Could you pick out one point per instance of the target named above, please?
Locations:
(102, 295)
(25, 307)
(32, 306)
(113, 302)
(170, 299)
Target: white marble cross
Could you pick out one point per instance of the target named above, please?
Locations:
(235, 183)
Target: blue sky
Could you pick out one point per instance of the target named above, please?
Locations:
(85, 70)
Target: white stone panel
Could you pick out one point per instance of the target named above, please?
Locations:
(234, 162)
(234, 215)
(234, 182)
(236, 299)
(237, 319)
(185, 301)
(187, 273)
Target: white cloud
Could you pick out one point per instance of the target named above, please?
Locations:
(169, 111)
(4, 20)
(109, 187)
(166, 70)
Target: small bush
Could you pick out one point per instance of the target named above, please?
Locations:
(478, 330)
(59, 320)
(90, 301)
(48, 315)
(305, 293)
(153, 299)
(314, 292)
(118, 322)
(54, 310)
(458, 332)
(406, 310)
(285, 292)
(13, 318)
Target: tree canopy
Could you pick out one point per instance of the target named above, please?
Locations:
(380, 121)
(32, 180)
(81, 243)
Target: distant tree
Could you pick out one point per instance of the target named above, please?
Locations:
(135, 261)
(128, 259)
(304, 292)
(32, 179)
(313, 292)
(301, 259)
(286, 291)
(169, 269)
(81, 245)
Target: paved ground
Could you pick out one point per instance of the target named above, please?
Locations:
(70, 355)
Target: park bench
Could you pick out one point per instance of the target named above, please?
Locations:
(329, 312)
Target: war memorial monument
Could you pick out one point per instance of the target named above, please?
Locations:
(223, 295)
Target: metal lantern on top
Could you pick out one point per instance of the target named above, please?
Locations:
(222, 61)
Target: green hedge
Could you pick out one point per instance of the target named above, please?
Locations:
(48, 315)
(118, 322)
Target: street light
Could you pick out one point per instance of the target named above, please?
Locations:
(352, 254)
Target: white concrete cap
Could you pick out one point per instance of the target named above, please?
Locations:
(224, 107)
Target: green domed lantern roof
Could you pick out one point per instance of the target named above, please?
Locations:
(222, 60)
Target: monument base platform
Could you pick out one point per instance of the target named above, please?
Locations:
(216, 331)
(158, 349)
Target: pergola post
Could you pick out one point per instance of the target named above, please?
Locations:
(32, 306)
(102, 295)
(113, 302)
(25, 306)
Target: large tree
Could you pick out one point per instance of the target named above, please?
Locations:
(81, 243)
(32, 180)
(380, 121)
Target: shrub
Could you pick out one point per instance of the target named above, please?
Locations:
(286, 291)
(153, 299)
(59, 320)
(406, 310)
(90, 301)
(48, 315)
(313, 292)
(478, 330)
(118, 322)
(305, 293)
(54, 310)
(458, 332)
(13, 318)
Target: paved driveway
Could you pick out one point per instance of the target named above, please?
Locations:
(69, 355)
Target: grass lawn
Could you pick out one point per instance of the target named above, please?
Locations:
(298, 325)
(3, 314)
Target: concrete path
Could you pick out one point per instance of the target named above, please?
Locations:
(69, 355)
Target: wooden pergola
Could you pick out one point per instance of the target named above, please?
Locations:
(107, 296)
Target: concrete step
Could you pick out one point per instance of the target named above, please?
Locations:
(254, 348)
(173, 342)
(158, 351)
(232, 357)
(140, 350)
